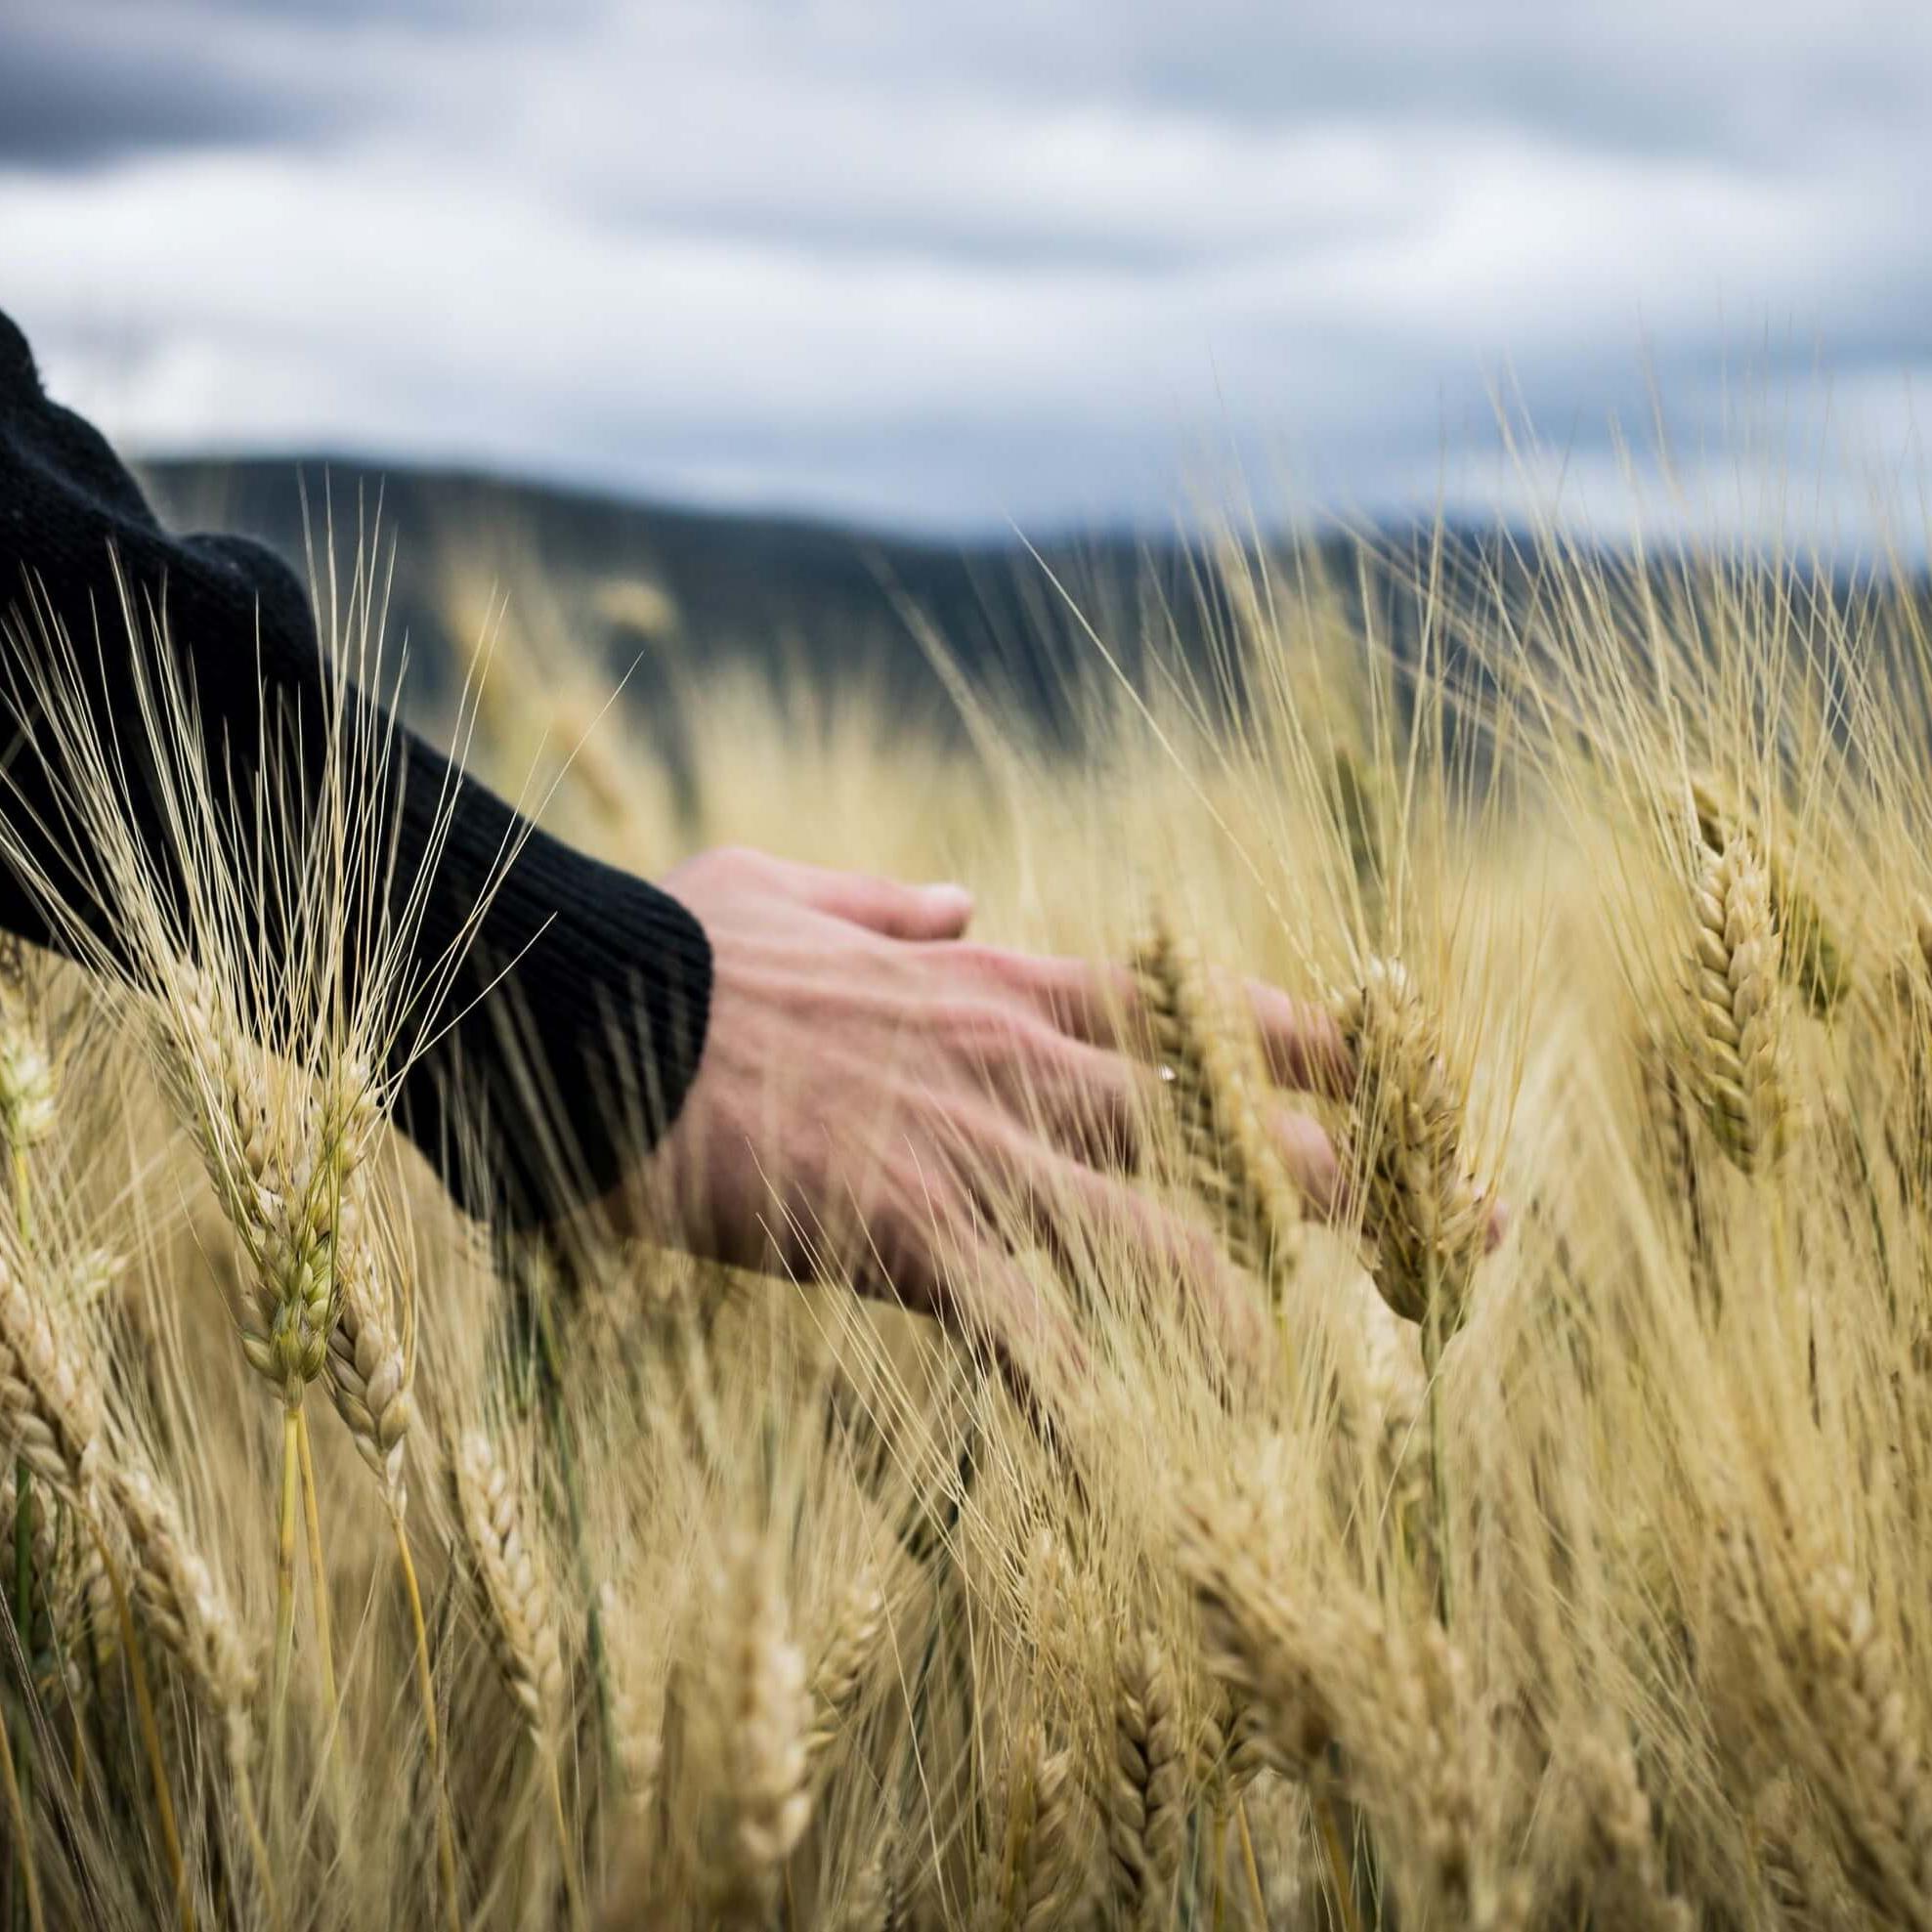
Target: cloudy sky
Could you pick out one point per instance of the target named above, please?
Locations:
(960, 262)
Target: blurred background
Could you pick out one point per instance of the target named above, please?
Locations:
(652, 294)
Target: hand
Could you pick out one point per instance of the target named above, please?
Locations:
(874, 1093)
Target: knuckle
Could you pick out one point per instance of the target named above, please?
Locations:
(982, 962)
(734, 861)
(986, 1030)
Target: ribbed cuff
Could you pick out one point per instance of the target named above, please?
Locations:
(584, 999)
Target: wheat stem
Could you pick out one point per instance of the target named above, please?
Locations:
(1247, 1863)
(251, 1824)
(1734, 964)
(1232, 1163)
(446, 1844)
(24, 1633)
(23, 1572)
(1218, 1893)
(566, 1845)
(1438, 1471)
(318, 1569)
(17, 1807)
(150, 1731)
(284, 1592)
(1336, 1861)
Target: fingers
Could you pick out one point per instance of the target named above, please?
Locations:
(1101, 1005)
(1067, 1198)
(1312, 1165)
(1088, 1103)
(936, 1251)
(881, 905)
(1300, 1042)
(1098, 1105)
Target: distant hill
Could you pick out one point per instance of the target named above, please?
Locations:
(655, 588)
(660, 593)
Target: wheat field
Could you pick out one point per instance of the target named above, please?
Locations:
(369, 1571)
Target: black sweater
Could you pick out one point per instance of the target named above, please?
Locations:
(598, 986)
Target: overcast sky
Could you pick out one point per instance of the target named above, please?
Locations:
(956, 262)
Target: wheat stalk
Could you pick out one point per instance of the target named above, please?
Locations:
(516, 1590)
(1631, 1887)
(1735, 986)
(1424, 1203)
(840, 1672)
(1055, 1874)
(368, 1372)
(1146, 1790)
(1824, 1687)
(520, 1616)
(1231, 1161)
(870, 1902)
(1254, 1642)
(765, 1769)
(1853, 1684)
(1811, 956)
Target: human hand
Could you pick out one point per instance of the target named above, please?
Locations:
(876, 1093)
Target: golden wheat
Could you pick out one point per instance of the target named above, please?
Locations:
(1424, 1201)
(1735, 965)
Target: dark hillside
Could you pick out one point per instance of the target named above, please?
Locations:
(784, 593)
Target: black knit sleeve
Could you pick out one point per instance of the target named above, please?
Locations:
(581, 1005)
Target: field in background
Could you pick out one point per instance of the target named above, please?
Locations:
(1577, 1584)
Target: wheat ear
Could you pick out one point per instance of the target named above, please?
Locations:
(1631, 1887)
(522, 1617)
(1396, 1393)
(637, 1722)
(50, 1412)
(1857, 1692)
(1231, 1162)
(368, 1372)
(1424, 1202)
(870, 1902)
(1056, 1887)
(766, 1715)
(178, 1594)
(1146, 1791)
(279, 1198)
(49, 1403)
(1735, 984)
(26, 1118)
(185, 1608)
(1826, 1686)
(1811, 958)
(1255, 1644)
(839, 1676)
(21, 1406)
(516, 1590)
(1907, 1002)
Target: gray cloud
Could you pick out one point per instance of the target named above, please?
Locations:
(87, 85)
(1041, 258)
